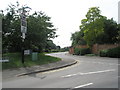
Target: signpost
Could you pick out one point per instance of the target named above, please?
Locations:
(23, 31)
(23, 12)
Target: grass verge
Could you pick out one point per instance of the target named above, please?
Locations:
(15, 60)
(91, 55)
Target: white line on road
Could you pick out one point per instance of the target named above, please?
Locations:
(96, 72)
(101, 63)
(83, 85)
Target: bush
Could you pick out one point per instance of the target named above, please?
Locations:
(114, 52)
(103, 53)
(84, 51)
(77, 51)
(81, 51)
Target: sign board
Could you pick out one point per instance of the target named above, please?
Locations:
(23, 20)
(23, 29)
(23, 23)
(26, 52)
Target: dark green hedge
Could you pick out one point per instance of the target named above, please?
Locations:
(114, 52)
(81, 51)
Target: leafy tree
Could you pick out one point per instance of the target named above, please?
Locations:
(77, 38)
(110, 34)
(96, 28)
(50, 45)
(118, 36)
(92, 26)
(39, 30)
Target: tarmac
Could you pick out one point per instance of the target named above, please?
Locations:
(10, 73)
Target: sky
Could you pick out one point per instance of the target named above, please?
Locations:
(66, 15)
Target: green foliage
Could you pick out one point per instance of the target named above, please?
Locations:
(91, 55)
(93, 25)
(118, 37)
(110, 33)
(81, 51)
(39, 30)
(114, 52)
(96, 28)
(84, 51)
(77, 38)
(103, 53)
(77, 51)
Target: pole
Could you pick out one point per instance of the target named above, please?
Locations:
(23, 51)
(23, 30)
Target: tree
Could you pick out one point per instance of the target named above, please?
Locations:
(96, 28)
(50, 45)
(92, 26)
(110, 32)
(77, 38)
(39, 30)
(118, 37)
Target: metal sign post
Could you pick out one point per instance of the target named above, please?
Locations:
(23, 31)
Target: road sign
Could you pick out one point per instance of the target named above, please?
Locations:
(23, 36)
(24, 23)
(26, 52)
(23, 29)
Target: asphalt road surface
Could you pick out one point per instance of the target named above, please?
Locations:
(89, 72)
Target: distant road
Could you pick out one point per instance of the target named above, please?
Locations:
(89, 72)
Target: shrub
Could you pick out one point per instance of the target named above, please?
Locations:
(114, 52)
(77, 51)
(84, 51)
(103, 53)
(81, 51)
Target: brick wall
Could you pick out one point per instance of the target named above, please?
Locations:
(71, 50)
(95, 48)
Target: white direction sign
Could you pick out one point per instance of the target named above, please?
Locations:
(23, 29)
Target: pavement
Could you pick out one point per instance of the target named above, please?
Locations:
(9, 73)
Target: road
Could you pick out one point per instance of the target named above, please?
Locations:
(89, 72)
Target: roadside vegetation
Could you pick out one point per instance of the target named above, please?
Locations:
(15, 60)
(39, 35)
(38, 38)
(96, 29)
(113, 52)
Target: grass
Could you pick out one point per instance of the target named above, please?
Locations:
(15, 60)
(91, 55)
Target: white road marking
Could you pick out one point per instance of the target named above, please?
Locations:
(83, 85)
(96, 72)
(100, 63)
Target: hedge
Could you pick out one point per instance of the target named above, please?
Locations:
(81, 51)
(114, 52)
